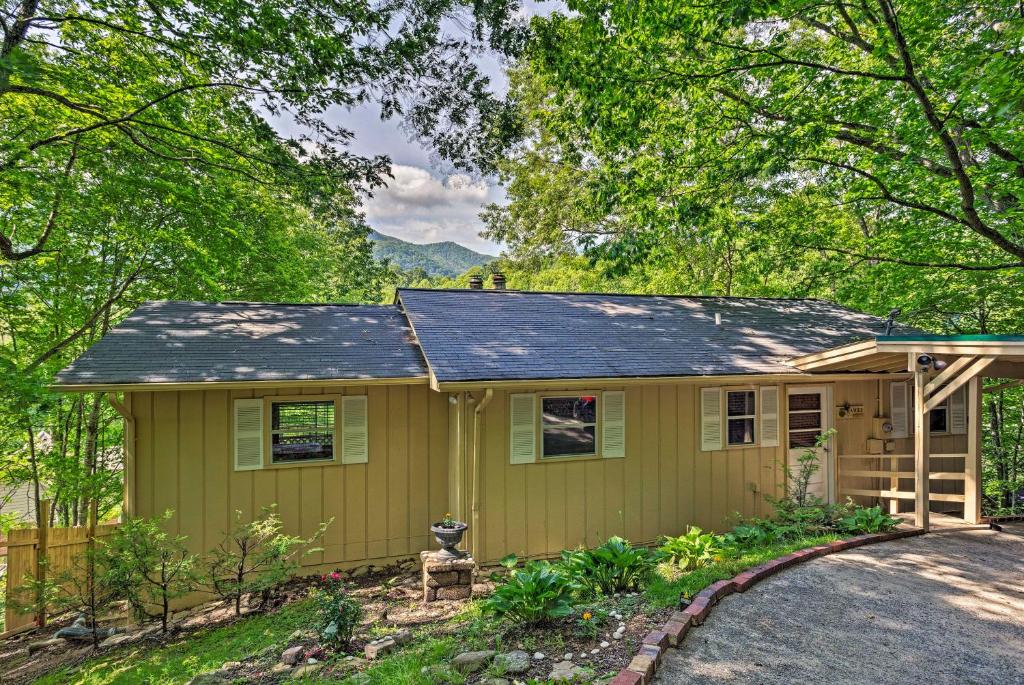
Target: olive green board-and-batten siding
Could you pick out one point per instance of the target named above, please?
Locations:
(381, 510)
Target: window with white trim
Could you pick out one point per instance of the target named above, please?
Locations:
(569, 426)
(740, 412)
(301, 431)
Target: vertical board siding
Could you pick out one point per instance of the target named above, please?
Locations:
(663, 484)
(380, 510)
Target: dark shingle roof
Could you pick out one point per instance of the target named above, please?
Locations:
(471, 335)
(186, 342)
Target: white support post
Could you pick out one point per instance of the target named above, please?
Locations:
(922, 462)
(972, 464)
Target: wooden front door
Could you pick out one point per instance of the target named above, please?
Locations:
(808, 417)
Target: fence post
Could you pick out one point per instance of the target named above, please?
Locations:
(42, 550)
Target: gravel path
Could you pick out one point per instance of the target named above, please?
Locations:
(941, 608)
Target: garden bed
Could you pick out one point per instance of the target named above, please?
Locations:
(586, 614)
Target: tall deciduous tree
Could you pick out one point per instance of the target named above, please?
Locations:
(909, 115)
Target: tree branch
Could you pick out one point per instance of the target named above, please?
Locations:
(7, 244)
(910, 262)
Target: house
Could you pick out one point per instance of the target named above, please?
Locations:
(545, 420)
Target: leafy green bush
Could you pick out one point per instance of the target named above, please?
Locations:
(536, 593)
(151, 566)
(750, 534)
(694, 549)
(255, 558)
(867, 520)
(615, 566)
(337, 613)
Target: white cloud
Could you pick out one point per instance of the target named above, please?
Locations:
(422, 208)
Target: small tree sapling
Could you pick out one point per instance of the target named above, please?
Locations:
(255, 558)
(153, 566)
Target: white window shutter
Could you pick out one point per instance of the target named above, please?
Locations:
(355, 441)
(899, 409)
(710, 419)
(523, 432)
(770, 416)
(613, 424)
(958, 411)
(248, 435)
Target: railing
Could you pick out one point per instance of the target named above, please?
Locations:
(893, 474)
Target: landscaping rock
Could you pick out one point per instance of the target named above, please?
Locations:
(492, 680)
(280, 668)
(514, 662)
(539, 656)
(34, 647)
(306, 671)
(402, 637)
(230, 665)
(115, 640)
(292, 655)
(567, 671)
(217, 677)
(379, 648)
(471, 662)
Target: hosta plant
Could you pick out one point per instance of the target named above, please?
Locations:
(694, 549)
(868, 520)
(536, 593)
(615, 566)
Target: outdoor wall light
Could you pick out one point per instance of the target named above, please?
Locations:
(926, 361)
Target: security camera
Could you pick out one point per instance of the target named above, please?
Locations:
(939, 365)
(924, 361)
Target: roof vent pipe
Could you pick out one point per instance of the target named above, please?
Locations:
(498, 281)
(476, 283)
(718, 318)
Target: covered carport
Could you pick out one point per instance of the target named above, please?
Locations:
(939, 365)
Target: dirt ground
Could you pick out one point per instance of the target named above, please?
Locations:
(941, 608)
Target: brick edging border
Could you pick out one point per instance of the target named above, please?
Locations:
(641, 669)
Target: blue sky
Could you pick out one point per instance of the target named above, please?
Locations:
(425, 203)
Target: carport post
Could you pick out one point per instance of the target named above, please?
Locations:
(922, 460)
(972, 463)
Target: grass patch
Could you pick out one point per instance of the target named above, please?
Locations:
(662, 593)
(196, 653)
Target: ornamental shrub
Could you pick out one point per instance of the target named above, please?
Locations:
(537, 593)
(692, 550)
(338, 614)
(615, 566)
(867, 520)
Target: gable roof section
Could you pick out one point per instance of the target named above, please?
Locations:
(489, 335)
(218, 342)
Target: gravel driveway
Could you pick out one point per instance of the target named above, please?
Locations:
(941, 608)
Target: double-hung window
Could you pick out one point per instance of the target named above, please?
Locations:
(569, 426)
(740, 415)
(301, 431)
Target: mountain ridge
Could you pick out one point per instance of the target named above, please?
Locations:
(445, 258)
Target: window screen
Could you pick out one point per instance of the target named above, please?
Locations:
(569, 426)
(301, 431)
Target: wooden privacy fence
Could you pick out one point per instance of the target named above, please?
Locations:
(27, 548)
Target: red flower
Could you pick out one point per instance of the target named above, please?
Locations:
(335, 576)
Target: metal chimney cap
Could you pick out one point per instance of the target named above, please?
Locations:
(498, 281)
(476, 283)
